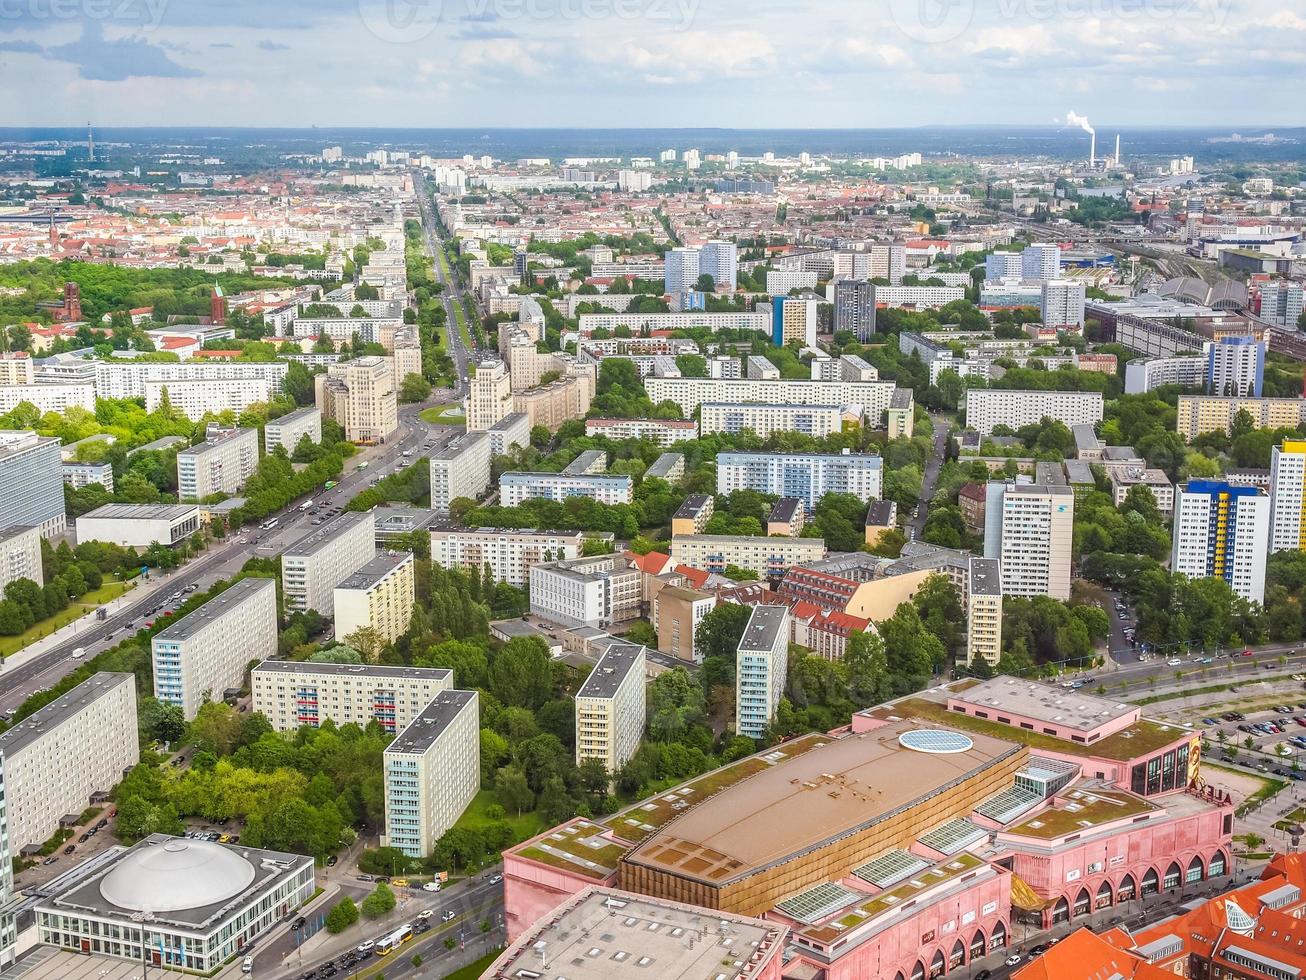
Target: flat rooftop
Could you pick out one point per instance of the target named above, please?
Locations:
(604, 934)
(663, 465)
(611, 671)
(1045, 702)
(401, 520)
(39, 723)
(880, 513)
(985, 576)
(377, 671)
(215, 608)
(290, 418)
(693, 505)
(376, 569)
(582, 464)
(767, 626)
(14, 531)
(1081, 808)
(848, 783)
(456, 447)
(433, 721)
(315, 541)
(221, 441)
(142, 512)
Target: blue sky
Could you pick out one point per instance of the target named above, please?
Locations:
(764, 63)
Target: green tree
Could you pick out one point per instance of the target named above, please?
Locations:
(719, 633)
(521, 674)
(342, 915)
(512, 790)
(414, 388)
(381, 901)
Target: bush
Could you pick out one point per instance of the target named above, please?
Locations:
(380, 902)
(342, 915)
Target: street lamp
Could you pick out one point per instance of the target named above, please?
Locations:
(142, 918)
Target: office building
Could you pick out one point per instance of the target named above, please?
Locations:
(984, 612)
(221, 464)
(595, 591)
(20, 555)
(854, 308)
(489, 395)
(1062, 304)
(610, 708)
(203, 654)
(1040, 262)
(1028, 529)
(313, 566)
(513, 431)
(1222, 531)
(378, 596)
(509, 554)
(56, 758)
(677, 614)
(178, 903)
(794, 320)
(768, 558)
(761, 668)
(1288, 496)
(139, 525)
(432, 772)
(460, 469)
(286, 431)
(987, 408)
(1282, 302)
(606, 488)
(1235, 367)
(663, 432)
(692, 516)
(764, 419)
(807, 476)
(360, 396)
(1200, 414)
(31, 482)
(291, 694)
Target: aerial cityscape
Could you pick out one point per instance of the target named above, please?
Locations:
(614, 489)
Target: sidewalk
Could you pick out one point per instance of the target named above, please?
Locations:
(69, 630)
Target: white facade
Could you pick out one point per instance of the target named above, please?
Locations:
(291, 694)
(139, 525)
(195, 399)
(1004, 265)
(361, 396)
(767, 557)
(20, 555)
(873, 397)
(489, 396)
(1062, 304)
(509, 432)
(313, 566)
(761, 669)
(606, 488)
(781, 281)
(1221, 531)
(663, 432)
(1288, 497)
(1282, 302)
(1028, 528)
(47, 398)
(219, 465)
(130, 379)
(987, 408)
(287, 430)
(919, 296)
(205, 652)
(813, 420)
(1040, 262)
(510, 553)
(79, 475)
(681, 269)
(460, 469)
(807, 476)
(592, 591)
(610, 708)
(1145, 374)
(639, 322)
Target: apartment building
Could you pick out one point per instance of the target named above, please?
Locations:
(692, 516)
(987, 408)
(559, 401)
(286, 431)
(921, 297)
(1143, 374)
(677, 613)
(1282, 302)
(221, 464)
(782, 281)
(460, 469)
(794, 320)
(1061, 303)
(758, 368)
(640, 323)
(489, 395)
(1235, 367)
(291, 694)
(313, 566)
(594, 591)
(379, 596)
(511, 431)
(610, 708)
(204, 653)
(1221, 531)
(1125, 476)
(984, 612)
(360, 395)
(669, 467)
(854, 308)
(873, 397)
(1040, 262)
(1200, 414)
(8, 914)
(764, 419)
(807, 476)
(20, 555)
(769, 558)
(1288, 496)
(120, 378)
(510, 554)
(31, 482)
(432, 772)
(211, 396)
(16, 368)
(607, 488)
(47, 397)
(57, 757)
(786, 518)
(662, 432)
(761, 668)
(80, 475)
(1028, 530)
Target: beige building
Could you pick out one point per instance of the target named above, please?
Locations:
(489, 396)
(560, 401)
(786, 518)
(610, 708)
(20, 555)
(292, 693)
(206, 652)
(510, 553)
(527, 365)
(460, 469)
(54, 759)
(767, 557)
(313, 566)
(692, 516)
(380, 595)
(361, 396)
(1200, 414)
(677, 613)
(432, 772)
(16, 369)
(984, 612)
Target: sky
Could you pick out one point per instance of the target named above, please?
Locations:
(650, 63)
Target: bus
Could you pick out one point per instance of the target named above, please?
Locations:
(329, 485)
(388, 944)
(363, 465)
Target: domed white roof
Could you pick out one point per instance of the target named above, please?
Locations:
(180, 874)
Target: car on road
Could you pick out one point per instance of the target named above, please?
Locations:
(1173, 662)
(431, 886)
(50, 860)
(1247, 652)
(331, 861)
(298, 924)
(1013, 960)
(400, 882)
(366, 877)
(366, 947)
(495, 879)
(70, 848)
(425, 914)
(448, 915)
(247, 965)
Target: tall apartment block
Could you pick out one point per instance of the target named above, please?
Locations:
(380, 595)
(1288, 496)
(761, 667)
(794, 321)
(202, 654)
(20, 555)
(1028, 528)
(361, 396)
(677, 614)
(990, 407)
(313, 566)
(460, 469)
(218, 465)
(807, 476)
(1040, 262)
(984, 612)
(1235, 367)
(8, 916)
(610, 708)
(510, 554)
(432, 772)
(286, 430)
(291, 694)
(1221, 531)
(57, 757)
(31, 482)
(854, 308)
(489, 395)
(1062, 304)
(1282, 302)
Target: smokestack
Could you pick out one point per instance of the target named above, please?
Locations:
(1092, 152)
(1117, 149)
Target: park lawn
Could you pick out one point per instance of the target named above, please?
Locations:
(473, 970)
(523, 828)
(9, 645)
(442, 414)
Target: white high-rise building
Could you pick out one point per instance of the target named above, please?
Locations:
(221, 464)
(509, 553)
(286, 431)
(204, 653)
(1288, 496)
(681, 269)
(761, 669)
(987, 408)
(460, 469)
(378, 596)
(489, 395)
(1222, 531)
(1062, 304)
(1040, 262)
(8, 918)
(1028, 528)
(1235, 367)
(313, 566)
(291, 693)
(720, 260)
(807, 476)
(20, 555)
(1004, 265)
(1282, 302)
(984, 611)
(610, 708)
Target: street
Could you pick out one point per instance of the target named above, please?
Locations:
(452, 293)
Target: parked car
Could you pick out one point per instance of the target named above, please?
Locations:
(431, 886)
(70, 848)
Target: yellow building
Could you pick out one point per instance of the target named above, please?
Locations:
(1200, 414)
(379, 595)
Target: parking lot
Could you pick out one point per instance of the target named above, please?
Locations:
(87, 840)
